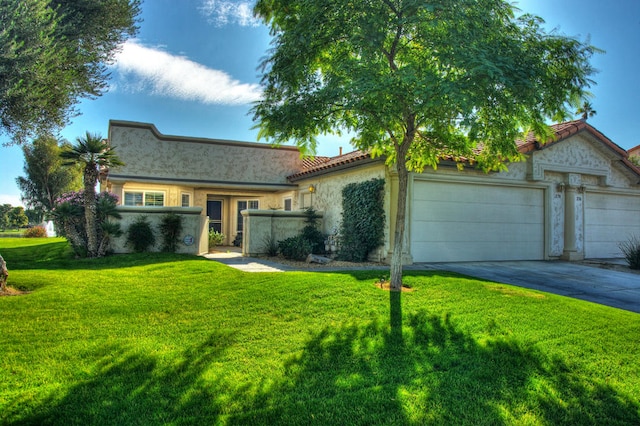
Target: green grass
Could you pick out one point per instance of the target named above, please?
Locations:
(171, 339)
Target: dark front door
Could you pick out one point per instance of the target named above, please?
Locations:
(214, 211)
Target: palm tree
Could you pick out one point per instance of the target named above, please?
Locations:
(92, 152)
(586, 110)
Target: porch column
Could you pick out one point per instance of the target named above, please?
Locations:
(573, 220)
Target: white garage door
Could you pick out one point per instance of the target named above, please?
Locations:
(452, 222)
(609, 220)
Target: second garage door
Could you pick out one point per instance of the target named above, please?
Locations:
(609, 220)
(454, 222)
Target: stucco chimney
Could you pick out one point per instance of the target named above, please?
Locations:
(340, 151)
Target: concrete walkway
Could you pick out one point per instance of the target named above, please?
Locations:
(247, 264)
(581, 281)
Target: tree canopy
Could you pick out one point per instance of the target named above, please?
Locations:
(45, 177)
(53, 53)
(416, 81)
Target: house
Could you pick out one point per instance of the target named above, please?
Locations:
(634, 152)
(576, 196)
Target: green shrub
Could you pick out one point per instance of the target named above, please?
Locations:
(170, 229)
(310, 240)
(215, 238)
(35, 232)
(140, 235)
(362, 228)
(295, 248)
(270, 245)
(311, 233)
(631, 251)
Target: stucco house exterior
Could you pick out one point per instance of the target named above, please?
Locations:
(575, 197)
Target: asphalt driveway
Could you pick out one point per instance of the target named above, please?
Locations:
(599, 285)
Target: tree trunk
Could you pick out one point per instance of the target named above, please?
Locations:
(4, 274)
(90, 214)
(398, 241)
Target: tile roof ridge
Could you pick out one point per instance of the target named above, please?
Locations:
(310, 167)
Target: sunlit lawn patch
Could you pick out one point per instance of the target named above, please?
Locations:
(159, 338)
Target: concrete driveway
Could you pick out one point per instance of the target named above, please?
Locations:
(599, 285)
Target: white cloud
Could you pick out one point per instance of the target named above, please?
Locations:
(14, 200)
(224, 12)
(144, 69)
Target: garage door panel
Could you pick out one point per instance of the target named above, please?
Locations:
(470, 232)
(461, 193)
(609, 220)
(462, 222)
(482, 212)
(613, 218)
(464, 252)
(609, 201)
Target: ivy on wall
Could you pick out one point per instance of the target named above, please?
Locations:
(362, 227)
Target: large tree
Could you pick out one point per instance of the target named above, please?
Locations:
(416, 81)
(46, 178)
(93, 153)
(53, 53)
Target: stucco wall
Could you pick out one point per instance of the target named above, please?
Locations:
(197, 159)
(262, 225)
(327, 198)
(328, 191)
(193, 227)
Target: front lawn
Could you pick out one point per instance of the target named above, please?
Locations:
(170, 339)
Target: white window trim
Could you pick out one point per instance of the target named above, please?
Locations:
(144, 196)
(188, 194)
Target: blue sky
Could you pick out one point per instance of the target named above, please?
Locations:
(193, 71)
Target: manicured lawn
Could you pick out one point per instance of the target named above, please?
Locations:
(169, 339)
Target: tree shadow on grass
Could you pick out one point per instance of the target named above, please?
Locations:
(436, 375)
(130, 389)
(345, 374)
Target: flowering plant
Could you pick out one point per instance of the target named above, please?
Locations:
(69, 218)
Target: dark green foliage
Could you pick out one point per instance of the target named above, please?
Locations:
(295, 248)
(12, 217)
(362, 228)
(170, 229)
(631, 251)
(311, 233)
(310, 240)
(53, 53)
(140, 235)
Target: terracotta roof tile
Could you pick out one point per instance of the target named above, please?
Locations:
(310, 162)
(323, 163)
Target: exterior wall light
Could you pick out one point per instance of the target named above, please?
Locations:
(312, 189)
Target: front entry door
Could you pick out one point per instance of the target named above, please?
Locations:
(214, 211)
